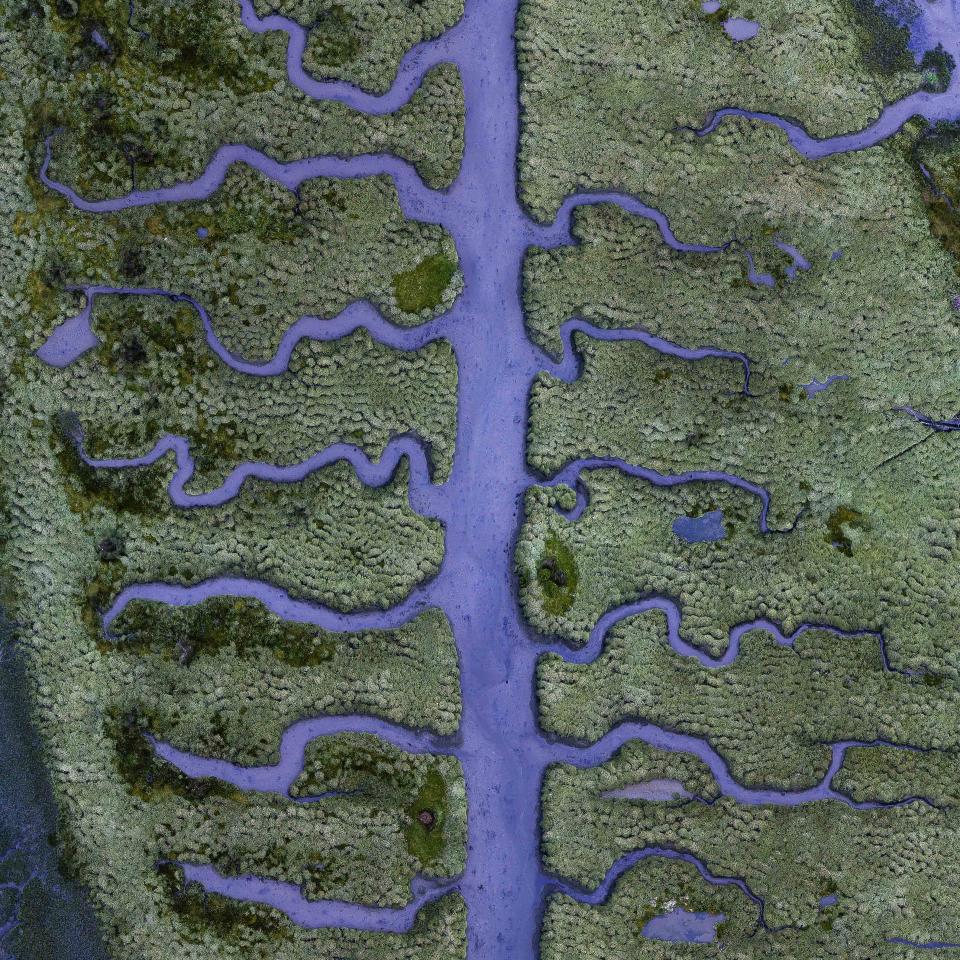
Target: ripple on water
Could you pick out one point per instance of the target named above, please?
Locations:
(659, 789)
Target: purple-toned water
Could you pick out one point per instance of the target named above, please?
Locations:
(818, 386)
(929, 21)
(945, 425)
(503, 753)
(937, 24)
(314, 914)
(683, 926)
(426, 498)
(740, 29)
(652, 790)
(800, 262)
(72, 339)
(706, 528)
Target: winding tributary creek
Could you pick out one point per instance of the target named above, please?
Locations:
(500, 745)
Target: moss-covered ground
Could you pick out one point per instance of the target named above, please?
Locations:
(420, 799)
(155, 374)
(363, 41)
(863, 525)
(608, 88)
(147, 104)
(890, 868)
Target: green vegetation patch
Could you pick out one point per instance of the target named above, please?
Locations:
(333, 38)
(790, 857)
(424, 795)
(183, 633)
(772, 713)
(145, 774)
(557, 576)
(422, 288)
(333, 523)
(143, 96)
(839, 524)
(885, 38)
(86, 488)
(231, 697)
(155, 374)
(939, 152)
(937, 66)
(226, 677)
(839, 318)
(427, 815)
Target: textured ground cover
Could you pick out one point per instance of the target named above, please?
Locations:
(744, 544)
(255, 255)
(772, 713)
(606, 85)
(788, 858)
(94, 531)
(399, 574)
(155, 374)
(145, 102)
(360, 41)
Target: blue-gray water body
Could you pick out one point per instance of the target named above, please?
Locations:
(740, 29)
(504, 883)
(683, 926)
(43, 916)
(702, 529)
